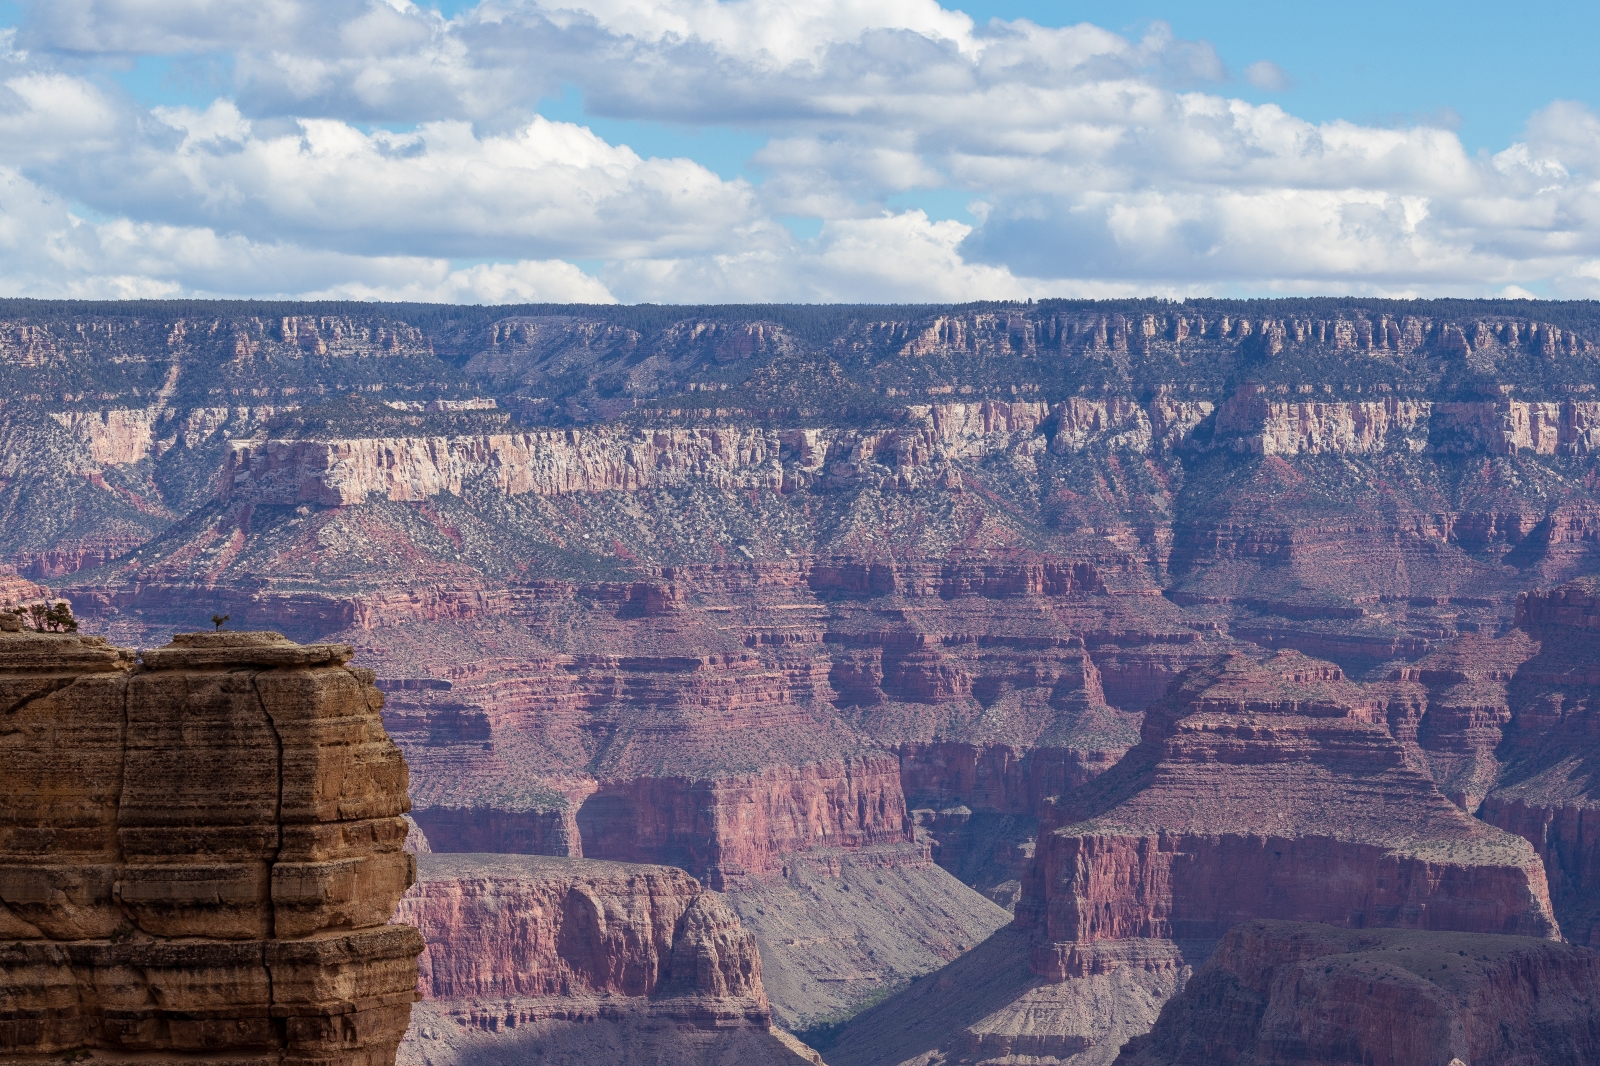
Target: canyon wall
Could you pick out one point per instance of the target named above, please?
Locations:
(1264, 788)
(533, 927)
(1283, 992)
(531, 955)
(1546, 789)
(342, 472)
(199, 856)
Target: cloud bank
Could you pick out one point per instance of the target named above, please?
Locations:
(374, 149)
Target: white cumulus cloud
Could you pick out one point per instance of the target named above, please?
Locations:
(379, 139)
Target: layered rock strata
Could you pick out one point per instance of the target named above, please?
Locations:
(1267, 789)
(199, 855)
(1283, 992)
(1261, 788)
(746, 589)
(556, 954)
(725, 718)
(1455, 705)
(345, 471)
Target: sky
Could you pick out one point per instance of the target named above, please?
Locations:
(709, 151)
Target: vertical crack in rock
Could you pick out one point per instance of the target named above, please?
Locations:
(277, 739)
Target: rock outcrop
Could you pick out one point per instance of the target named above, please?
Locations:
(540, 928)
(542, 954)
(199, 855)
(18, 591)
(1264, 789)
(1269, 789)
(1282, 992)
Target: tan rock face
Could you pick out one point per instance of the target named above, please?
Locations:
(342, 472)
(113, 437)
(1272, 428)
(199, 856)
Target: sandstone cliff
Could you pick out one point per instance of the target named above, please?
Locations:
(199, 855)
(340, 472)
(1282, 992)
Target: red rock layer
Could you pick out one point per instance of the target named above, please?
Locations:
(997, 777)
(1279, 993)
(15, 590)
(556, 933)
(741, 827)
(1455, 705)
(1268, 789)
(724, 717)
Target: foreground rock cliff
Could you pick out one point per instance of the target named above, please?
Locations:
(1283, 992)
(199, 855)
(550, 960)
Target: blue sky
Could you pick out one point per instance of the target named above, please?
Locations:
(1481, 67)
(818, 149)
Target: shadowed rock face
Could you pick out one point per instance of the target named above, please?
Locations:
(199, 855)
(1283, 992)
(1549, 780)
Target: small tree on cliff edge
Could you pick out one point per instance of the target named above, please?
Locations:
(48, 619)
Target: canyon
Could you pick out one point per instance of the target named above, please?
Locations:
(1005, 639)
